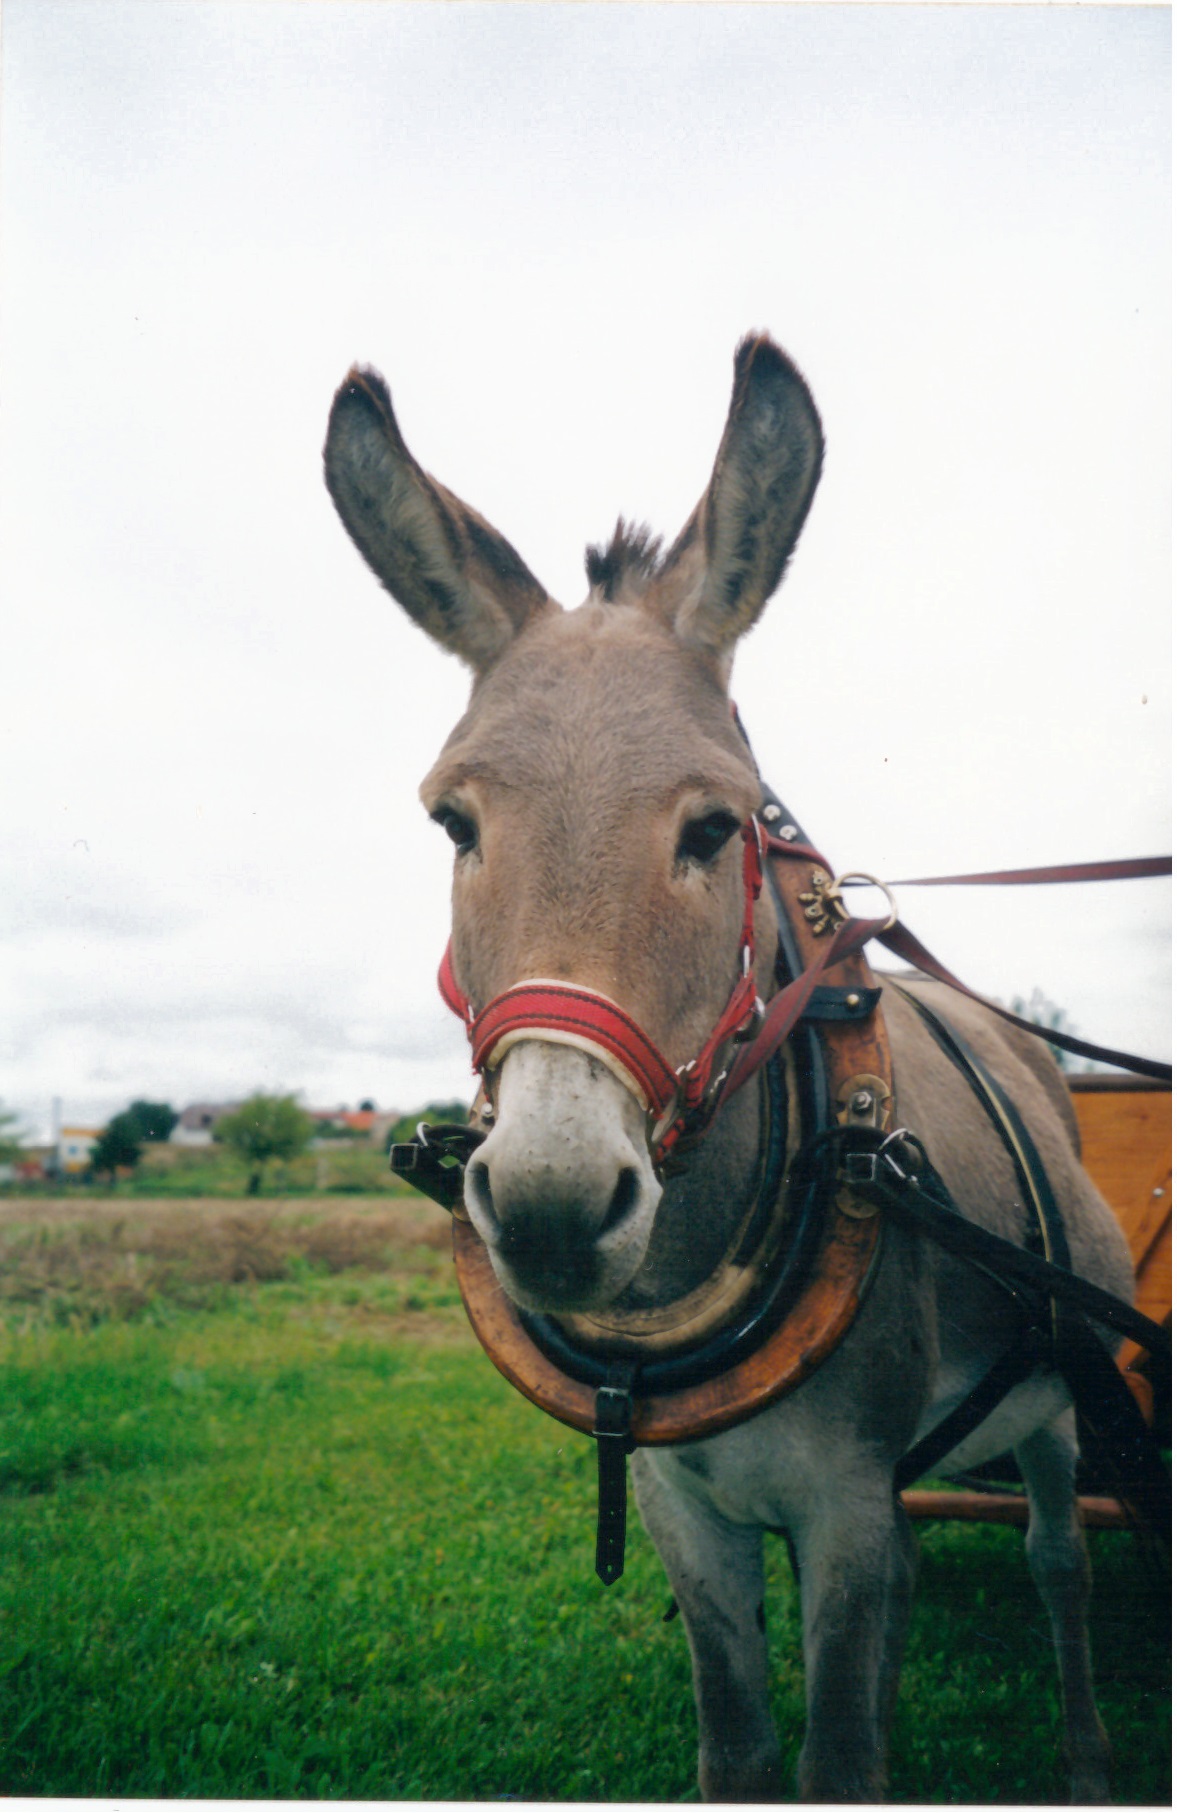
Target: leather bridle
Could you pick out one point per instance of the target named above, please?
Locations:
(679, 1101)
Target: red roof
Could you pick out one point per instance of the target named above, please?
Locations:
(360, 1120)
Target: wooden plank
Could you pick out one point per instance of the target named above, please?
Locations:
(1127, 1137)
(1009, 1508)
(1127, 1150)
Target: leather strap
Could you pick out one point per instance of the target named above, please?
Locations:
(1017, 1363)
(1047, 1234)
(584, 1017)
(788, 1006)
(903, 943)
(920, 1202)
(614, 1439)
(1113, 1430)
(1132, 868)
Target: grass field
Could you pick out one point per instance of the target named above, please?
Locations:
(341, 1167)
(274, 1527)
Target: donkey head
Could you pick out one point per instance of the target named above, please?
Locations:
(593, 791)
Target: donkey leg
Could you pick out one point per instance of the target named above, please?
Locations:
(1057, 1554)
(857, 1557)
(716, 1570)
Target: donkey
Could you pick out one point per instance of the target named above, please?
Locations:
(593, 791)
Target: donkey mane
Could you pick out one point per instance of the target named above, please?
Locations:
(625, 565)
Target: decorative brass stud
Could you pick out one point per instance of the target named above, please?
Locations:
(824, 908)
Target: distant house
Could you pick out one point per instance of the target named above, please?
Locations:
(368, 1123)
(74, 1145)
(382, 1126)
(34, 1164)
(342, 1123)
(195, 1126)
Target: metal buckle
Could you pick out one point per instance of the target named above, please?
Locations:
(434, 1160)
(860, 876)
(613, 1410)
(865, 1165)
(746, 1032)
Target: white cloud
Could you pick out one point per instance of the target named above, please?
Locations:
(549, 225)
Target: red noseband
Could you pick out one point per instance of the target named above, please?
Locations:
(678, 1100)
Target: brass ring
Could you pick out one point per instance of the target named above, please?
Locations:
(874, 882)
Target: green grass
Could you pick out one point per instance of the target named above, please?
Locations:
(339, 1168)
(300, 1540)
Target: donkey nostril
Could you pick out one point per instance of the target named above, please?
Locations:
(624, 1199)
(478, 1187)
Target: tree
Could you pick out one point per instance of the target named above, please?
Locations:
(155, 1120)
(1041, 1011)
(404, 1129)
(10, 1144)
(117, 1145)
(265, 1127)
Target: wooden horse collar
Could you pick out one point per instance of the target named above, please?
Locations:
(798, 1268)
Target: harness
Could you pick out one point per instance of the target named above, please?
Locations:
(680, 1102)
(831, 1170)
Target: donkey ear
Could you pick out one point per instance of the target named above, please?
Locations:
(729, 559)
(455, 575)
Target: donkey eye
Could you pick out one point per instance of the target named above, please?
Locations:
(703, 838)
(461, 831)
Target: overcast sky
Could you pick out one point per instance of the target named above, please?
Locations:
(549, 225)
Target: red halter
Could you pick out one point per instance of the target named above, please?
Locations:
(677, 1101)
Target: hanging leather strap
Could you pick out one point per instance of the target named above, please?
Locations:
(614, 1438)
(1031, 1349)
(1046, 1236)
(917, 1199)
(1108, 1414)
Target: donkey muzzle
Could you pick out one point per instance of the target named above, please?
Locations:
(562, 1190)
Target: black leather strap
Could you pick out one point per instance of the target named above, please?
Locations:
(611, 1431)
(1029, 1350)
(1046, 1232)
(1112, 1430)
(841, 1004)
(1109, 1418)
(914, 1207)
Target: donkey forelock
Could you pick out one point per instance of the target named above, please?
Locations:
(622, 568)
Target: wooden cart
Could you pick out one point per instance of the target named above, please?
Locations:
(1126, 1128)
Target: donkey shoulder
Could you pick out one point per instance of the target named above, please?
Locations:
(936, 1101)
